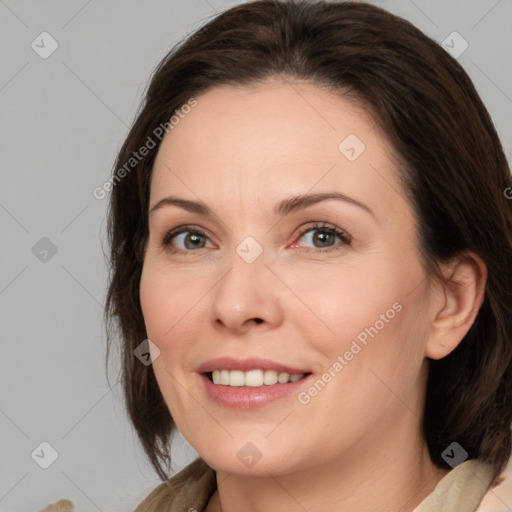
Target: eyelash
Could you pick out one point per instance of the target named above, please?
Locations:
(326, 228)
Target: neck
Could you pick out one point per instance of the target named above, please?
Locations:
(390, 474)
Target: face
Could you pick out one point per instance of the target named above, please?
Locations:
(332, 289)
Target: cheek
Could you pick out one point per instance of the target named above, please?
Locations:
(167, 303)
(371, 319)
(346, 303)
(166, 311)
(154, 303)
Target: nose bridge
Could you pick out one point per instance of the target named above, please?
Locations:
(245, 292)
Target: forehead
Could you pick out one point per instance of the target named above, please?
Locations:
(287, 137)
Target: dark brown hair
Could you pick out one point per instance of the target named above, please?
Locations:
(452, 164)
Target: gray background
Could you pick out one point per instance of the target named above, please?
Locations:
(63, 120)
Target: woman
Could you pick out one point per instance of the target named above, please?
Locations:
(311, 243)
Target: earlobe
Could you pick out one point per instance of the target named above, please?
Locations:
(461, 295)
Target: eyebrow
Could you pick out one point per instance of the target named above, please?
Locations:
(285, 207)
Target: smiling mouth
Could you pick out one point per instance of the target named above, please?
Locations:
(253, 378)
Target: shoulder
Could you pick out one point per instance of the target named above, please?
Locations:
(191, 488)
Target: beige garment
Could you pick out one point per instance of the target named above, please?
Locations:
(190, 490)
(461, 490)
(60, 506)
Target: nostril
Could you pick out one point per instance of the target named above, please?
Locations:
(258, 320)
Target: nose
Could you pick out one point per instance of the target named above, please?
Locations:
(247, 295)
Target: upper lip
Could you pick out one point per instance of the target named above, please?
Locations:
(244, 365)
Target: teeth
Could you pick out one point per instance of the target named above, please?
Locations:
(253, 378)
(270, 377)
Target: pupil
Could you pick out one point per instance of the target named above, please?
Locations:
(323, 235)
(192, 237)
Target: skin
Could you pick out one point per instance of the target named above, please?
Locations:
(358, 442)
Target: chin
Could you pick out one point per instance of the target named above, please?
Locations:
(248, 459)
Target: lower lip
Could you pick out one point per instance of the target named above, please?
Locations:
(238, 397)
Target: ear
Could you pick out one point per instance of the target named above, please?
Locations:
(457, 300)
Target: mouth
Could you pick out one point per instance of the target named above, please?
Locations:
(250, 383)
(255, 378)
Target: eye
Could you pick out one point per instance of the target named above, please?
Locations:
(186, 237)
(325, 237)
(190, 238)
